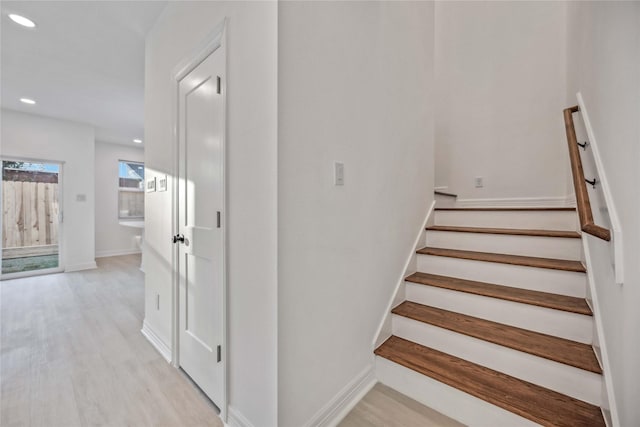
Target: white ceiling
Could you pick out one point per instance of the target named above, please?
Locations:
(84, 62)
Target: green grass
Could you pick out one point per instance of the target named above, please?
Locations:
(18, 265)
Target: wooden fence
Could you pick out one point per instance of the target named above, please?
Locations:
(29, 213)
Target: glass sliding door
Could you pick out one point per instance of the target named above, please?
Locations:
(31, 205)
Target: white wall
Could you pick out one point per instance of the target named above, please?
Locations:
(251, 178)
(111, 237)
(500, 90)
(355, 85)
(31, 136)
(604, 65)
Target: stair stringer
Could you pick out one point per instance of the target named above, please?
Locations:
(609, 407)
(384, 330)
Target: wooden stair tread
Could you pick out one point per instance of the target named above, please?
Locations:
(510, 231)
(527, 261)
(508, 209)
(525, 296)
(549, 347)
(444, 193)
(538, 404)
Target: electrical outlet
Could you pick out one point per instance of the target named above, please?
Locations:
(479, 182)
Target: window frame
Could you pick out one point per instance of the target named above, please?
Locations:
(130, 190)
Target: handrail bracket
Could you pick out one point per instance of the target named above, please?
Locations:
(584, 145)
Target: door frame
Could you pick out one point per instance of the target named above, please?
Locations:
(217, 39)
(61, 258)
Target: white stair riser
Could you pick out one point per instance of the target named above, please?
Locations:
(444, 201)
(538, 279)
(544, 247)
(565, 379)
(447, 400)
(537, 220)
(571, 326)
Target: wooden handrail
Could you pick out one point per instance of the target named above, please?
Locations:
(582, 197)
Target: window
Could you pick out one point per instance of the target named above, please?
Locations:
(130, 189)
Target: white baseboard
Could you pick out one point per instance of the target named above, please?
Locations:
(117, 252)
(80, 267)
(514, 202)
(343, 402)
(156, 341)
(236, 419)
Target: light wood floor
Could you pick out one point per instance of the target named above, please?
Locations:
(71, 354)
(385, 407)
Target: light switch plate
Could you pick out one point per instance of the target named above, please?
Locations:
(338, 178)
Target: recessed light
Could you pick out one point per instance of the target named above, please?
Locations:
(21, 20)
(27, 101)
(137, 141)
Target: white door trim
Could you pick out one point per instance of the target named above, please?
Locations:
(211, 43)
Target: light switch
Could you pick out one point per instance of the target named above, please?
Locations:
(338, 178)
(81, 197)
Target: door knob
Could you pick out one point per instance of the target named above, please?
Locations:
(178, 238)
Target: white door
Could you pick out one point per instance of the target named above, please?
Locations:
(200, 223)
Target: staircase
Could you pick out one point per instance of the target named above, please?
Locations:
(495, 329)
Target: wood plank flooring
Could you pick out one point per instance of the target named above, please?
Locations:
(385, 407)
(71, 354)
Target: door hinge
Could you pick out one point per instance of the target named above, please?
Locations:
(219, 86)
(218, 220)
(219, 354)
